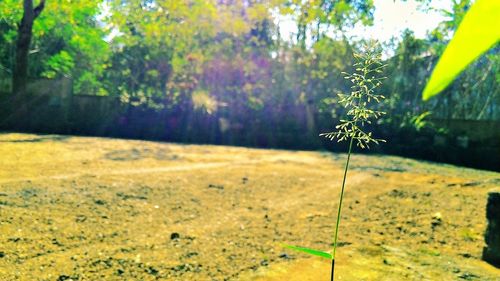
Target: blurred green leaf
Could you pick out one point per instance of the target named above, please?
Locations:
(310, 251)
(477, 32)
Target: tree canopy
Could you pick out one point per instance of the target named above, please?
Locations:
(228, 58)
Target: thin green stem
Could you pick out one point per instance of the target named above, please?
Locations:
(340, 207)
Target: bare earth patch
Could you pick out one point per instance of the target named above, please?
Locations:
(74, 208)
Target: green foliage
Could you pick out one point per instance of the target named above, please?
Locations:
(419, 121)
(329, 12)
(476, 34)
(67, 41)
(11, 12)
(310, 251)
(59, 64)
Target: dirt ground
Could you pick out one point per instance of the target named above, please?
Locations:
(75, 208)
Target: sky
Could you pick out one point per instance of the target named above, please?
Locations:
(391, 17)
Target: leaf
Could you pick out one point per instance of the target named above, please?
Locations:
(310, 251)
(477, 32)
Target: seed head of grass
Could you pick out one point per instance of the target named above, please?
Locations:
(362, 102)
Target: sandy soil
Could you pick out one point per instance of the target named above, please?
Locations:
(74, 208)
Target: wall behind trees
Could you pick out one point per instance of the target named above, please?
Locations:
(474, 143)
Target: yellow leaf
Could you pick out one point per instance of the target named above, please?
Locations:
(478, 31)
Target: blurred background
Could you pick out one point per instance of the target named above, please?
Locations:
(245, 72)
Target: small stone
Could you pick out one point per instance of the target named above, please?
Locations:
(388, 262)
(151, 270)
(215, 186)
(466, 255)
(468, 276)
(14, 239)
(284, 256)
(100, 202)
(267, 218)
(175, 236)
(191, 254)
(63, 278)
(437, 216)
(436, 220)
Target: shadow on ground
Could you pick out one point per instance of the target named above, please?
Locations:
(41, 138)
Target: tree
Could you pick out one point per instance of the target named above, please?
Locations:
(25, 33)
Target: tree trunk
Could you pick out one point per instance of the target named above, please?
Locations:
(24, 34)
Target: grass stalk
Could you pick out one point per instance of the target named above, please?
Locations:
(336, 235)
(358, 113)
